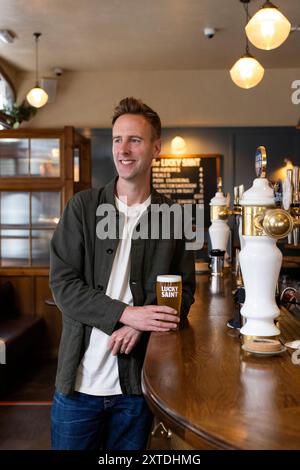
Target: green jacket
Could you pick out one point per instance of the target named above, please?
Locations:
(80, 266)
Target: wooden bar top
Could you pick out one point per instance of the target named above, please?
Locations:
(214, 395)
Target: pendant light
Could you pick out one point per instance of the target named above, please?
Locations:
(247, 72)
(268, 28)
(37, 97)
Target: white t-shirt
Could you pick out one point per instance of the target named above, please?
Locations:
(98, 372)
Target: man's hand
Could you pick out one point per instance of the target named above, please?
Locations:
(150, 318)
(123, 340)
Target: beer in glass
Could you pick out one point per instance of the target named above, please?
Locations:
(169, 291)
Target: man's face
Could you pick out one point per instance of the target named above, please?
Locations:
(134, 147)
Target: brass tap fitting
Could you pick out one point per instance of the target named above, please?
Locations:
(223, 212)
(266, 221)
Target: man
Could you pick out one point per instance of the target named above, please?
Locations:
(105, 289)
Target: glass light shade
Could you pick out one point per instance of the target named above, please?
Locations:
(178, 145)
(268, 28)
(247, 72)
(37, 97)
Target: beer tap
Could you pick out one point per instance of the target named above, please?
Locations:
(291, 201)
(220, 211)
(295, 206)
(287, 197)
(237, 211)
(219, 230)
(260, 258)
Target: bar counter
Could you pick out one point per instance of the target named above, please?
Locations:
(207, 393)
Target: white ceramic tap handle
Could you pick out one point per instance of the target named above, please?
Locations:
(228, 199)
(287, 193)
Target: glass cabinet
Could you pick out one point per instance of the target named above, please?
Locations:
(39, 171)
(29, 157)
(28, 219)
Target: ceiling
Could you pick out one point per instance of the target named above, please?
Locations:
(96, 35)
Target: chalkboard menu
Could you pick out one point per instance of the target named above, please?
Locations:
(187, 179)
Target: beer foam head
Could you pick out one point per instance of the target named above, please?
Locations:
(168, 278)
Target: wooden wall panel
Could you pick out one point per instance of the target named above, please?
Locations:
(31, 293)
(24, 291)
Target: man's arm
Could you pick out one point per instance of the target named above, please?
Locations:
(81, 302)
(124, 340)
(73, 296)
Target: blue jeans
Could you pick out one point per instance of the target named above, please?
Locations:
(88, 422)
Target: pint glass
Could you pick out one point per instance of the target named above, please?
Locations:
(169, 291)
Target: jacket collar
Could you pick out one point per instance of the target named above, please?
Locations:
(108, 194)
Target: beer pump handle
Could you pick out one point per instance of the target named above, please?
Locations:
(296, 194)
(287, 190)
(219, 184)
(228, 199)
(236, 195)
